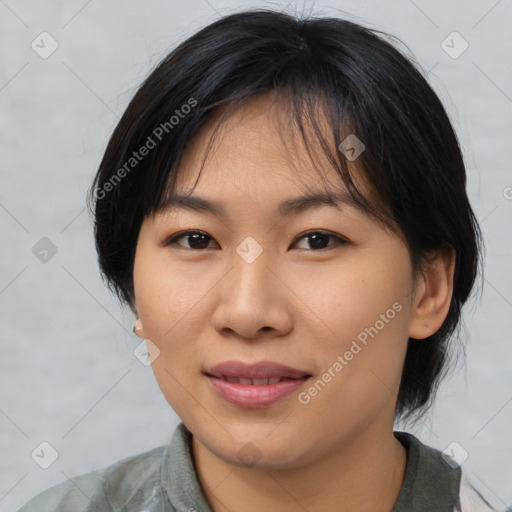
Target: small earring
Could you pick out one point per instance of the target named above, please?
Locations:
(136, 329)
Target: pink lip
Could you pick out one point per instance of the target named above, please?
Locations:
(253, 396)
(250, 395)
(258, 370)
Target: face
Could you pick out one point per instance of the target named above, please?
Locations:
(325, 290)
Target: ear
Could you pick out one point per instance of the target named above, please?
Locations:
(138, 329)
(434, 288)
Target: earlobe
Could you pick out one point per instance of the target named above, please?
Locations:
(137, 328)
(432, 303)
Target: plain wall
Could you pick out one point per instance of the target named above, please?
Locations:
(68, 374)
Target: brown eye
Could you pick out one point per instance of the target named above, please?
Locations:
(197, 240)
(319, 239)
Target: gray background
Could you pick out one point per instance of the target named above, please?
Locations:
(68, 372)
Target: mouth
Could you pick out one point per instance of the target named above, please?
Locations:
(256, 374)
(257, 385)
(265, 381)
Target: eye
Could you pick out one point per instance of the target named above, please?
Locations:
(198, 240)
(318, 239)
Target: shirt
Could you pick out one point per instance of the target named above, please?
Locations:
(164, 480)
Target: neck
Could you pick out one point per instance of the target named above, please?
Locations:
(366, 474)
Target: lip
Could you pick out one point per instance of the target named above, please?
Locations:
(259, 370)
(253, 396)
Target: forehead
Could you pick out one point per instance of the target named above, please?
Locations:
(257, 134)
(257, 147)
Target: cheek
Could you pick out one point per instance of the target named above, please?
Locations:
(358, 378)
(172, 309)
(365, 314)
(347, 300)
(169, 302)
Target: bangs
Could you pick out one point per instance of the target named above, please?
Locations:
(302, 118)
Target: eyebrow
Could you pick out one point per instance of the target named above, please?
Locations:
(291, 206)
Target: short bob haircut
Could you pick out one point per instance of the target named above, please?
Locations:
(326, 66)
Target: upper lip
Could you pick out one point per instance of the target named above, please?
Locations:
(260, 370)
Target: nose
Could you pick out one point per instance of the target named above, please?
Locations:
(254, 301)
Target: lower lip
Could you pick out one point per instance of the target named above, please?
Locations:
(255, 397)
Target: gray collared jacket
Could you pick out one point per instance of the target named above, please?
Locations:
(164, 480)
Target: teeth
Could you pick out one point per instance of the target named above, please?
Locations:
(260, 382)
(254, 382)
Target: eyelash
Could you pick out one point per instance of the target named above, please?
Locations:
(174, 238)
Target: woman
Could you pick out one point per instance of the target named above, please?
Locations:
(288, 361)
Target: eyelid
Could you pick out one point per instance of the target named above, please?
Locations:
(171, 240)
(340, 240)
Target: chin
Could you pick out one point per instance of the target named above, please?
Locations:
(259, 452)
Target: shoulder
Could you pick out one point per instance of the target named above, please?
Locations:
(435, 481)
(471, 500)
(103, 489)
